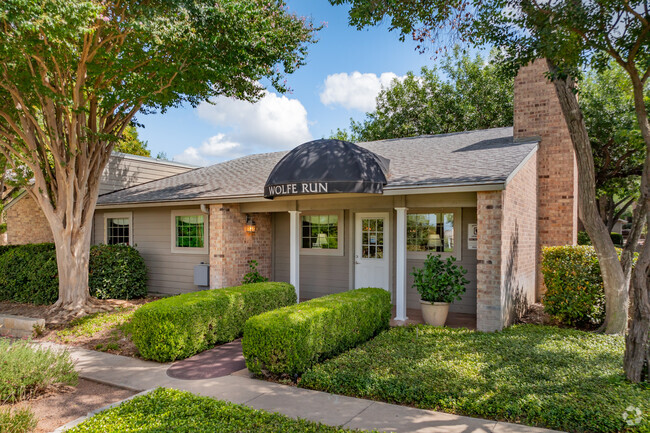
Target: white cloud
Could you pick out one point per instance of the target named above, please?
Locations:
(356, 90)
(272, 123)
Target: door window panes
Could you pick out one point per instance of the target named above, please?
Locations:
(372, 238)
(320, 232)
(430, 232)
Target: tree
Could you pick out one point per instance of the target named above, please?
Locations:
(569, 35)
(131, 144)
(474, 96)
(74, 74)
(608, 105)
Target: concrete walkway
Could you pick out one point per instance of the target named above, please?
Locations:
(356, 413)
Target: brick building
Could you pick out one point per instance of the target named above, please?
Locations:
(490, 198)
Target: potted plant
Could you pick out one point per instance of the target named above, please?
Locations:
(439, 283)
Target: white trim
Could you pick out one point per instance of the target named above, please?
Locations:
(400, 263)
(115, 215)
(323, 252)
(294, 251)
(520, 166)
(458, 238)
(206, 230)
(120, 155)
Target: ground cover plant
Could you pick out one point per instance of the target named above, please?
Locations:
(545, 376)
(182, 412)
(17, 421)
(287, 341)
(181, 326)
(27, 372)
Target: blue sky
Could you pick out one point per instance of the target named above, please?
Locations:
(343, 73)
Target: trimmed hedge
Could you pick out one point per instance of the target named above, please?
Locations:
(288, 341)
(117, 272)
(574, 286)
(180, 326)
(29, 273)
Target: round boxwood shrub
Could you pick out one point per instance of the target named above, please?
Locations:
(574, 287)
(29, 273)
(117, 272)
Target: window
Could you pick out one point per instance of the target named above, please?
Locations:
(118, 228)
(320, 234)
(431, 233)
(372, 238)
(189, 232)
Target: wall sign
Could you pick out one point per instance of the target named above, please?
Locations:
(297, 188)
(472, 236)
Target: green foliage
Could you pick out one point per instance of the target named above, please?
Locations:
(440, 280)
(617, 239)
(166, 410)
(29, 273)
(287, 341)
(117, 321)
(474, 96)
(574, 286)
(131, 143)
(3, 227)
(560, 379)
(116, 272)
(180, 326)
(28, 372)
(20, 420)
(583, 238)
(253, 276)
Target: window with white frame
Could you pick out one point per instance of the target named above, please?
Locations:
(321, 233)
(432, 232)
(118, 228)
(189, 232)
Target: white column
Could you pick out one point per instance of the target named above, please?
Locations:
(294, 251)
(400, 268)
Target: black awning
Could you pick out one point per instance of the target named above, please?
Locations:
(326, 167)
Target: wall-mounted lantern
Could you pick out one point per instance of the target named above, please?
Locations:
(250, 225)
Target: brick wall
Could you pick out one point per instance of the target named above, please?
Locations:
(538, 113)
(231, 248)
(507, 248)
(26, 223)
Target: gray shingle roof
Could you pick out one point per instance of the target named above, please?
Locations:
(465, 158)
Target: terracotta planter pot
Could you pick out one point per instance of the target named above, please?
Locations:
(434, 313)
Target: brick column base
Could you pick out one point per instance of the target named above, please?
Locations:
(231, 248)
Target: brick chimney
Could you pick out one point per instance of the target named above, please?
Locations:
(537, 112)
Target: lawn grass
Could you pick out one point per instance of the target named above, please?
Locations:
(536, 375)
(26, 372)
(165, 410)
(116, 322)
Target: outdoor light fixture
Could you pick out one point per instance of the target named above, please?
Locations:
(250, 225)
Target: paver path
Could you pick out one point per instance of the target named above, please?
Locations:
(220, 361)
(318, 406)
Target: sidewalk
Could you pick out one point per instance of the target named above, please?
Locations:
(356, 413)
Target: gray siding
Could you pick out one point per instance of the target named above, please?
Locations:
(169, 273)
(468, 260)
(319, 275)
(124, 171)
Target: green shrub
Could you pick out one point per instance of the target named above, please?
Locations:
(169, 410)
(17, 420)
(440, 280)
(3, 228)
(288, 341)
(574, 286)
(253, 275)
(29, 273)
(27, 372)
(583, 238)
(180, 326)
(617, 239)
(544, 376)
(117, 272)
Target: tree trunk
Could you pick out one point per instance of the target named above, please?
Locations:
(72, 254)
(614, 279)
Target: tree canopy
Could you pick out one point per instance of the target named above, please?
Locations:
(471, 94)
(130, 143)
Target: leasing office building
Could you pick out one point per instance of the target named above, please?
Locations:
(331, 216)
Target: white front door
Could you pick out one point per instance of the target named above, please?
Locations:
(372, 252)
